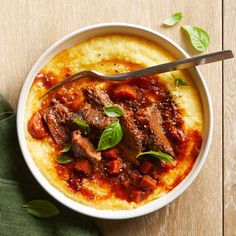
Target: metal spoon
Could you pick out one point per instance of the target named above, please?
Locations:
(153, 70)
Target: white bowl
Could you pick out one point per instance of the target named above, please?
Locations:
(93, 31)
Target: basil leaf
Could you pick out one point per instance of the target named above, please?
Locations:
(62, 159)
(199, 38)
(181, 82)
(111, 136)
(113, 111)
(41, 208)
(172, 20)
(83, 126)
(66, 148)
(160, 155)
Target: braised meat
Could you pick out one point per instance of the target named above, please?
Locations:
(55, 117)
(92, 117)
(148, 183)
(96, 118)
(174, 133)
(97, 97)
(150, 121)
(132, 142)
(82, 147)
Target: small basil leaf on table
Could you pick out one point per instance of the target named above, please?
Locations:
(83, 126)
(113, 111)
(41, 208)
(199, 37)
(172, 20)
(66, 148)
(111, 136)
(160, 155)
(62, 159)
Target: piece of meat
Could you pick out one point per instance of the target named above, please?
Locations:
(36, 127)
(54, 117)
(136, 177)
(84, 167)
(71, 117)
(62, 111)
(96, 118)
(151, 122)
(93, 117)
(132, 142)
(146, 167)
(97, 97)
(148, 183)
(174, 133)
(81, 146)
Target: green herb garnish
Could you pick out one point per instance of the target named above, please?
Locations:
(181, 82)
(113, 111)
(83, 126)
(41, 208)
(66, 148)
(172, 20)
(111, 136)
(199, 38)
(63, 159)
(160, 155)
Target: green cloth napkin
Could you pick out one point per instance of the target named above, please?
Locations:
(18, 186)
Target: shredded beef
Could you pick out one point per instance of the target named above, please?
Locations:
(54, 117)
(98, 98)
(82, 147)
(150, 120)
(132, 142)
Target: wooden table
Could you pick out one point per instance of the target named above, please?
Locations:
(208, 207)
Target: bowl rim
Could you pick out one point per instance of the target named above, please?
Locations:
(79, 207)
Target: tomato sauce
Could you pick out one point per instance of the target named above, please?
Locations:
(128, 181)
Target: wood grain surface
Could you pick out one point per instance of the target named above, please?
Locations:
(229, 114)
(28, 28)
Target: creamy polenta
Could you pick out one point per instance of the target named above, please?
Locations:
(113, 178)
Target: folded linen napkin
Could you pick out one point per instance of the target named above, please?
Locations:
(18, 186)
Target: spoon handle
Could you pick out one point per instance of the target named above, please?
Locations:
(170, 66)
(180, 64)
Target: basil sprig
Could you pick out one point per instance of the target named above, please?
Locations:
(66, 148)
(172, 20)
(111, 136)
(83, 126)
(160, 155)
(181, 82)
(41, 208)
(199, 37)
(63, 159)
(113, 111)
